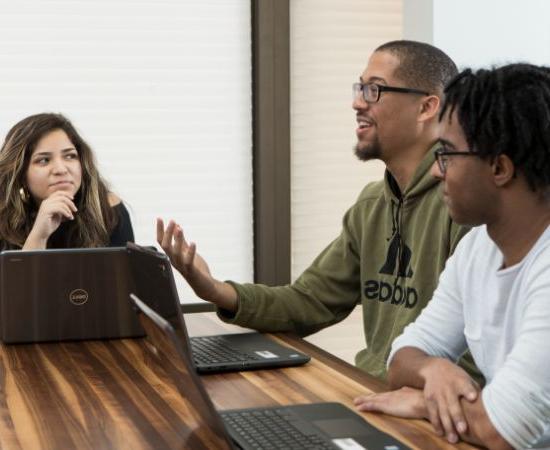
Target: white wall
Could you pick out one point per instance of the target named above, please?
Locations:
(483, 33)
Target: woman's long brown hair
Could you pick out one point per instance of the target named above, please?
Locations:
(95, 219)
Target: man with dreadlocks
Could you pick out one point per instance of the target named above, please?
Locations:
(395, 238)
(494, 294)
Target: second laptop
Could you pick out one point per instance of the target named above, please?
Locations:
(155, 285)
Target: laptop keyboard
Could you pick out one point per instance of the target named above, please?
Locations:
(273, 429)
(212, 350)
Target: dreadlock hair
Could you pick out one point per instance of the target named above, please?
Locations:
(506, 110)
(421, 66)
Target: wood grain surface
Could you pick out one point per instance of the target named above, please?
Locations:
(112, 394)
(325, 378)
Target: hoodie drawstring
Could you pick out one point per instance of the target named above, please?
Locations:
(396, 235)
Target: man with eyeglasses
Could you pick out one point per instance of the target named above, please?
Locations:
(494, 294)
(395, 238)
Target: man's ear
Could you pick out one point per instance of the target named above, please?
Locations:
(503, 170)
(429, 108)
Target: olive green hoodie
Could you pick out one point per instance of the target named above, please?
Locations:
(388, 257)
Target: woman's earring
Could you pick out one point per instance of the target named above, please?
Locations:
(24, 195)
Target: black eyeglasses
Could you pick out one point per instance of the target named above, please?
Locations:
(442, 157)
(372, 91)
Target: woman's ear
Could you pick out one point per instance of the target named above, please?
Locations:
(503, 170)
(24, 194)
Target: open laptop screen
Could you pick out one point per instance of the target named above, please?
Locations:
(314, 425)
(66, 294)
(204, 428)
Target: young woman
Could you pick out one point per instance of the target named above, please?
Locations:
(51, 194)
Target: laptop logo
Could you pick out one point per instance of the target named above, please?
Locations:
(78, 297)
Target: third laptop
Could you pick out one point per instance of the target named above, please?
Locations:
(294, 427)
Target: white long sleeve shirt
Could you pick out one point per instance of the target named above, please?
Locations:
(503, 316)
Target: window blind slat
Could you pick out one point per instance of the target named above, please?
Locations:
(162, 92)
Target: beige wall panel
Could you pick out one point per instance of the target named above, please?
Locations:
(330, 42)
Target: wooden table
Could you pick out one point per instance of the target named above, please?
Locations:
(110, 394)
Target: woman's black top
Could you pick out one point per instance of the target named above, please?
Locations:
(123, 231)
(121, 234)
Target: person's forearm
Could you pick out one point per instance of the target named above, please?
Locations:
(480, 429)
(224, 296)
(34, 242)
(406, 368)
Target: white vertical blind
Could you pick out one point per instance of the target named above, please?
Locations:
(162, 92)
(330, 44)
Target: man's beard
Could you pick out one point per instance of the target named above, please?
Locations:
(367, 152)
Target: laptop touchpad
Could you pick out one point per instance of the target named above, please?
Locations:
(342, 427)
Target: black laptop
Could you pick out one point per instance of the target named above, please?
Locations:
(155, 285)
(306, 426)
(66, 294)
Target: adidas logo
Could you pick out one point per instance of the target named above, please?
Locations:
(395, 294)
